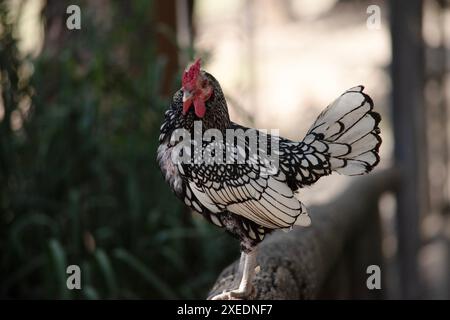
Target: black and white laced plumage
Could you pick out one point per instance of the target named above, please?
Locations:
(253, 198)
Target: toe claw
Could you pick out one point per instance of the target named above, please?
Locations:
(233, 295)
(222, 296)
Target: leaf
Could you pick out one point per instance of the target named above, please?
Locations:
(107, 271)
(90, 293)
(31, 220)
(58, 266)
(147, 274)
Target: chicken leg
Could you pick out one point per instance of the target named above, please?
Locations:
(247, 270)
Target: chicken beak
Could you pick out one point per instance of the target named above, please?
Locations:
(187, 101)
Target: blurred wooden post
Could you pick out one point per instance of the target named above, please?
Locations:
(165, 15)
(185, 29)
(409, 134)
(174, 16)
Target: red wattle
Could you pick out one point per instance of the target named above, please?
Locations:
(200, 108)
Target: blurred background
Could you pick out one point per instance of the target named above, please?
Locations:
(80, 112)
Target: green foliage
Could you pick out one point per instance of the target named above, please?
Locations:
(79, 183)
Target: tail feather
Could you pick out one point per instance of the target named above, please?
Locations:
(349, 127)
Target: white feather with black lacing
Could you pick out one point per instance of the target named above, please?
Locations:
(267, 201)
(349, 127)
(250, 190)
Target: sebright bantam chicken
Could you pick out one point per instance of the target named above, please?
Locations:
(247, 187)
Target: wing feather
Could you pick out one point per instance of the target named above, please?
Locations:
(272, 207)
(248, 189)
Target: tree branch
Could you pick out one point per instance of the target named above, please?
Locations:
(297, 264)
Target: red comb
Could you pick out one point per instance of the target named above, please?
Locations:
(190, 75)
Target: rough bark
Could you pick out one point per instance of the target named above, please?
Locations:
(297, 264)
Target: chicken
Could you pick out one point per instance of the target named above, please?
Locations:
(244, 180)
